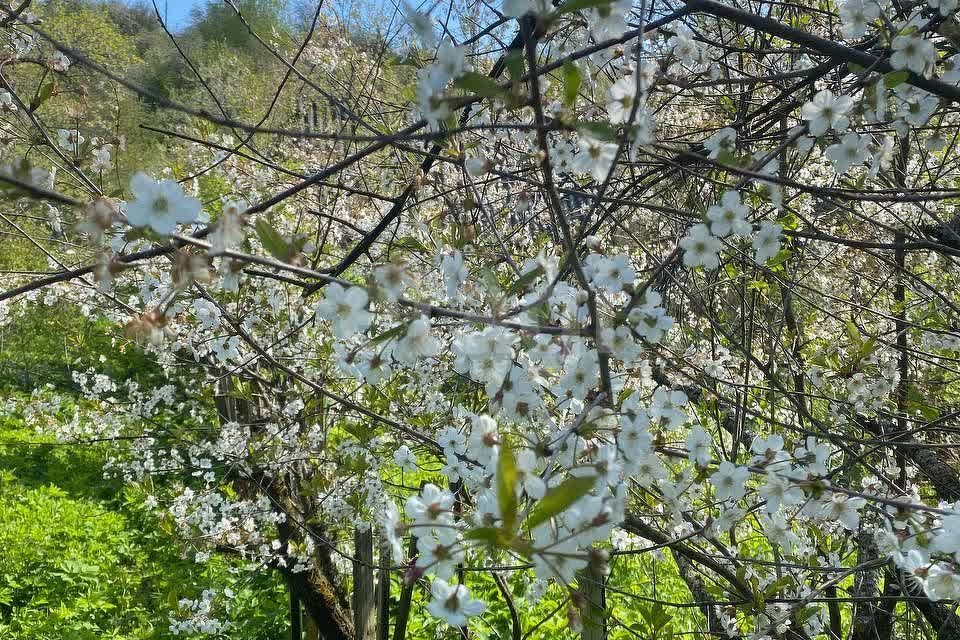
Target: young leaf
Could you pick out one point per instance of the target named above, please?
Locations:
(515, 65)
(398, 330)
(895, 78)
(409, 242)
(272, 240)
(856, 68)
(358, 431)
(524, 281)
(479, 84)
(867, 348)
(506, 486)
(773, 588)
(853, 333)
(559, 499)
(577, 5)
(572, 77)
(490, 535)
(728, 158)
(43, 95)
(598, 130)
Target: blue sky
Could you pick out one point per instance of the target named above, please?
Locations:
(178, 11)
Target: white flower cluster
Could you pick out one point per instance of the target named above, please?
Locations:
(702, 243)
(450, 63)
(195, 616)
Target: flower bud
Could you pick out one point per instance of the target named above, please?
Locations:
(599, 562)
(574, 621)
(413, 573)
(99, 216)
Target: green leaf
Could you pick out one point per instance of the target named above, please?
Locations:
(488, 278)
(867, 348)
(515, 65)
(728, 158)
(140, 233)
(524, 281)
(928, 412)
(272, 241)
(577, 5)
(598, 130)
(895, 78)
(856, 68)
(789, 221)
(358, 431)
(558, 499)
(43, 95)
(480, 84)
(658, 618)
(572, 77)
(490, 535)
(774, 587)
(409, 242)
(506, 486)
(853, 333)
(400, 329)
(782, 256)
(805, 614)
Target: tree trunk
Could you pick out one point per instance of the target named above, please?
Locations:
(865, 585)
(296, 630)
(315, 589)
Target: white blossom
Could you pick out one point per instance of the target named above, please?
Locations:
(452, 603)
(345, 308)
(159, 205)
(701, 247)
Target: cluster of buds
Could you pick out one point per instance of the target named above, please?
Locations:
(190, 267)
(99, 215)
(148, 327)
(59, 62)
(107, 267)
(7, 103)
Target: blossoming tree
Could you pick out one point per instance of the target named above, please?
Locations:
(668, 286)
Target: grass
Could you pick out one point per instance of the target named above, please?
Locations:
(81, 559)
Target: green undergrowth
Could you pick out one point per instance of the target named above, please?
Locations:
(80, 558)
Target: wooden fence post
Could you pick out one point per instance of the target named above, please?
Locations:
(595, 604)
(383, 590)
(364, 597)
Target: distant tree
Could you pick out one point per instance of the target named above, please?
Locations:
(132, 19)
(218, 22)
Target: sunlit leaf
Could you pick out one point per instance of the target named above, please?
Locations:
(272, 240)
(578, 5)
(480, 84)
(507, 486)
(559, 499)
(572, 77)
